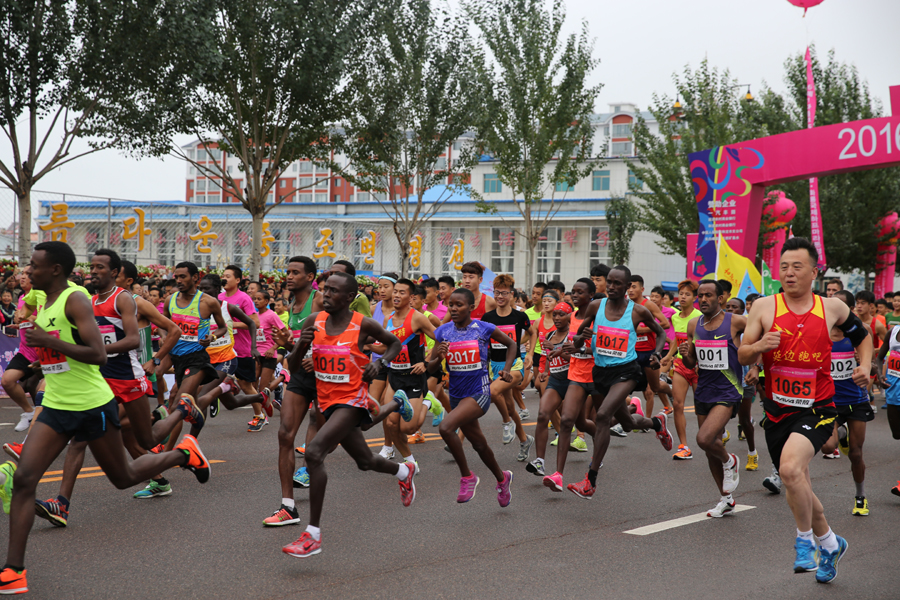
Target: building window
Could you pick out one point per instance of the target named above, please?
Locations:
(492, 184)
(323, 198)
(620, 149)
(599, 246)
(634, 181)
(201, 154)
(601, 181)
(440, 164)
(337, 183)
(549, 254)
(322, 184)
(456, 145)
(306, 167)
(213, 196)
(621, 130)
(229, 168)
(337, 197)
(503, 250)
(190, 187)
(362, 196)
(282, 183)
(563, 186)
(294, 167)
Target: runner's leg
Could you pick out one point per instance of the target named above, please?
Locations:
(293, 410)
(709, 438)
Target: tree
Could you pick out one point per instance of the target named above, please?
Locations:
(851, 203)
(537, 119)
(73, 70)
(415, 95)
(623, 218)
(713, 113)
(271, 92)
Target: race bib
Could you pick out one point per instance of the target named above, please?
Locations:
(401, 362)
(222, 341)
(332, 363)
(893, 368)
(712, 355)
(51, 360)
(558, 365)
(642, 338)
(464, 356)
(108, 333)
(794, 387)
(189, 326)
(509, 330)
(260, 335)
(680, 338)
(611, 342)
(842, 365)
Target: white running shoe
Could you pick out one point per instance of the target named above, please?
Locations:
(509, 433)
(617, 431)
(387, 452)
(773, 482)
(24, 421)
(724, 507)
(732, 476)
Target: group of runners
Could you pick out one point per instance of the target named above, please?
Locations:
(444, 351)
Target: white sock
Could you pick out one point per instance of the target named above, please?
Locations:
(728, 499)
(409, 459)
(315, 532)
(751, 453)
(402, 472)
(387, 448)
(829, 541)
(289, 502)
(807, 535)
(426, 404)
(729, 464)
(261, 415)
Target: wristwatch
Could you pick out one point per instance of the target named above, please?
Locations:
(384, 364)
(156, 361)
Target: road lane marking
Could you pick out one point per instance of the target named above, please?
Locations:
(673, 523)
(95, 472)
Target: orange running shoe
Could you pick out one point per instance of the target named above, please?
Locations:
(157, 449)
(896, 489)
(416, 438)
(13, 449)
(305, 546)
(197, 463)
(684, 453)
(12, 582)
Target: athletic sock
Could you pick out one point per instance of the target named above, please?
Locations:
(657, 424)
(402, 472)
(162, 481)
(261, 416)
(592, 477)
(751, 453)
(829, 541)
(289, 502)
(387, 448)
(315, 532)
(64, 501)
(729, 464)
(861, 489)
(426, 404)
(15, 568)
(409, 458)
(727, 498)
(807, 536)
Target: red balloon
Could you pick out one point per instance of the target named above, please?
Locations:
(804, 4)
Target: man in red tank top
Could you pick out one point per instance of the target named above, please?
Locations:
(646, 344)
(472, 276)
(792, 333)
(343, 373)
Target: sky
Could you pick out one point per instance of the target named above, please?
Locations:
(640, 44)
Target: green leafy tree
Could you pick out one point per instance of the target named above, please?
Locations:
(96, 70)
(416, 100)
(537, 119)
(271, 90)
(623, 217)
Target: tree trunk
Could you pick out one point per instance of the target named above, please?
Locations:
(531, 263)
(256, 246)
(24, 226)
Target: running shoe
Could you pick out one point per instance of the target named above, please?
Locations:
(554, 482)
(214, 409)
(844, 440)
(257, 423)
(684, 453)
(752, 462)
(157, 449)
(741, 436)
(301, 449)
(24, 421)
(301, 478)
(617, 431)
(13, 449)
(663, 435)
(638, 405)
(807, 556)
(578, 444)
(416, 438)
(525, 448)
(834, 455)
(828, 561)
(724, 507)
(523, 413)
(504, 495)
(161, 412)
(52, 510)
(535, 467)
(731, 476)
(555, 440)
(467, 487)
(278, 395)
(582, 489)
(283, 516)
(387, 453)
(896, 489)
(437, 409)
(404, 407)
(8, 469)
(509, 432)
(725, 437)
(408, 485)
(12, 582)
(773, 482)
(266, 394)
(197, 463)
(229, 384)
(153, 490)
(861, 507)
(192, 412)
(668, 410)
(305, 546)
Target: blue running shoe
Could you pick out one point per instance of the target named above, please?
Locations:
(301, 478)
(436, 409)
(807, 556)
(405, 409)
(828, 561)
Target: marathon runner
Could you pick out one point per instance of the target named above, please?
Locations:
(684, 377)
(746, 431)
(891, 382)
(646, 343)
(792, 333)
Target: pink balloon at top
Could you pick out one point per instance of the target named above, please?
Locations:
(889, 226)
(782, 211)
(806, 3)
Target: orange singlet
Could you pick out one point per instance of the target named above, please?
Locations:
(798, 372)
(339, 365)
(581, 364)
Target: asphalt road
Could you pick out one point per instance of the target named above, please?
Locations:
(208, 541)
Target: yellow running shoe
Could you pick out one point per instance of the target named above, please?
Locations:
(752, 462)
(578, 444)
(726, 437)
(861, 507)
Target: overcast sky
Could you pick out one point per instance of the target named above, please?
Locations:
(640, 44)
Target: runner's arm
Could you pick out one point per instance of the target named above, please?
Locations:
(852, 328)
(81, 314)
(132, 340)
(688, 354)
(241, 317)
(879, 358)
(754, 343)
(646, 317)
(587, 322)
(172, 331)
(422, 324)
(370, 327)
(295, 358)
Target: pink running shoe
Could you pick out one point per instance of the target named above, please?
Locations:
(554, 482)
(504, 496)
(408, 486)
(306, 546)
(637, 404)
(663, 435)
(467, 487)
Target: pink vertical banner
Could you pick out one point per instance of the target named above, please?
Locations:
(815, 214)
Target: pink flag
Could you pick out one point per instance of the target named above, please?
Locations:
(815, 215)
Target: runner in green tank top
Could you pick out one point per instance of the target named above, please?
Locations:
(77, 404)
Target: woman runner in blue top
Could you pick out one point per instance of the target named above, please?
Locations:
(465, 345)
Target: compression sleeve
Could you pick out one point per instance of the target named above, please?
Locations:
(853, 329)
